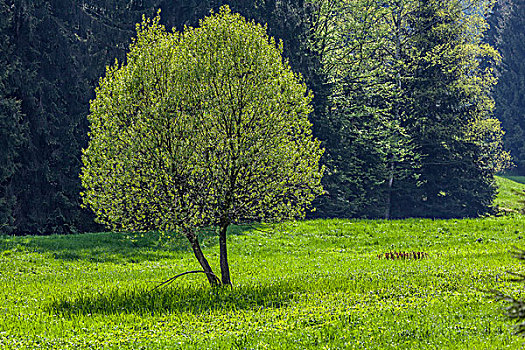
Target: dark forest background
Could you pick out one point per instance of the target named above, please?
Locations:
(52, 54)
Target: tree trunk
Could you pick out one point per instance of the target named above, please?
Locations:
(212, 278)
(225, 268)
(397, 22)
(389, 192)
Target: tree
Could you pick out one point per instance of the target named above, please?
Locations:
(11, 127)
(508, 34)
(208, 127)
(360, 43)
(408, 84)
(449, 92)
(53, 97)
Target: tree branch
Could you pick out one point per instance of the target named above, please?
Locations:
(172, 279)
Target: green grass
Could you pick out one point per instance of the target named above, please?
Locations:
(297, 285)
(507, 196)
(303, 285)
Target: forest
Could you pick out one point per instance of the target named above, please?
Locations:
(417, 104)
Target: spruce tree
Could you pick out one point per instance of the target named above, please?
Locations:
(52, 92)
(11, 128)
(508, 34)
(408, 85)
(449, 95)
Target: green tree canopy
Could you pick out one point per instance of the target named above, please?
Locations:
(11, 127)
(508, 35)
(411, 101)
(208, 127)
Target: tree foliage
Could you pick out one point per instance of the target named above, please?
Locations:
(61, 48)
(508, 35)
(208, 127)
(361, 68)
(11, 128)
(52, 92)
(408, 82)
(450, 92)
(368, 146)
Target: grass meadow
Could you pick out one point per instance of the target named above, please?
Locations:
(298, 285)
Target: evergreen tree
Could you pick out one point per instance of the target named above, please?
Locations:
(408, 91)
(449, 95)
(508, 34)
(11, 129)
(51, 89)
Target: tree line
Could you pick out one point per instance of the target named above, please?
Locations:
(402, 100)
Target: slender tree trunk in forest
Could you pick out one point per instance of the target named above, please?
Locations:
(389, 192)
(225, 268)
(212, 278)
(397, 112)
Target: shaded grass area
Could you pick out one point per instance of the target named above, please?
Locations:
(298, 285)
(142, 301)
(107, 247)
(520, 179)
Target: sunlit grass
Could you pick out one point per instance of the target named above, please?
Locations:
(313, 284)
(309, 284)
(508, 197)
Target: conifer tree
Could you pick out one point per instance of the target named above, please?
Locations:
(508, 34)
(408, 73)
(449, 95)
(11, 128)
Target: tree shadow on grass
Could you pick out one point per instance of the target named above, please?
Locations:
(116, 247)
(96, 247)
(178, 300)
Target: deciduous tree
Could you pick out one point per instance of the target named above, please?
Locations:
(208, 127)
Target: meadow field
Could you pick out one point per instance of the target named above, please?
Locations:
(322, 284)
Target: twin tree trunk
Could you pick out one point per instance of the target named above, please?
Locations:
(225, 269)
(194, 241)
